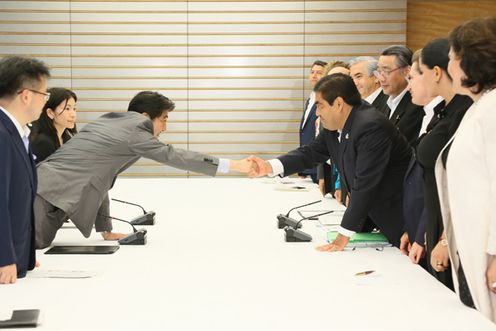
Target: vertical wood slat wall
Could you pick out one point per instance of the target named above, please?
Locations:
(237, 71)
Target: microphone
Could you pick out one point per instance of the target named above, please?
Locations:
(148, 218)
(138, 237)
(285, 220)
(292, 234)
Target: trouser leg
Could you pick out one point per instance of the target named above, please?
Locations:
(48, 220)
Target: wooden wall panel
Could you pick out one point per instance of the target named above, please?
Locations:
(237, 70)
(429, 19)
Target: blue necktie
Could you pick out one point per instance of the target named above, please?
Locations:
(25, 140)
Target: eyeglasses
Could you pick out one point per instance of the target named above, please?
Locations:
(45, 94)
(385, 72)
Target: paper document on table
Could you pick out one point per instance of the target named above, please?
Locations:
(51, 273)
(291, 187)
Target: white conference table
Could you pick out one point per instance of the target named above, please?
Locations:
(216, 261)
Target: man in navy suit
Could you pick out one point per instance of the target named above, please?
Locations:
(23, 93)
(370, 153)
(309, 117)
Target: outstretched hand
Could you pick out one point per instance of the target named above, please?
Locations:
(245, 166)
(261, 168)
(337, 245)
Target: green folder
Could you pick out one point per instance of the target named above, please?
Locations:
(359, 238)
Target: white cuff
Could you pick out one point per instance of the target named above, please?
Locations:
(277, 167)
(345, 232)
(224, 166)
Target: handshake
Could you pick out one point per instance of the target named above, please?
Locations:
(253, 166)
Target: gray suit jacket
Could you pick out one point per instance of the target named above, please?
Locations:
(77, 177)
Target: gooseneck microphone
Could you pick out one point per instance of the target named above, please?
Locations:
(148, 218)
(292, 234)
(285, 220)
(138, 237)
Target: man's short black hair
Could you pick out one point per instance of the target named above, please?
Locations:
(18, 72)
(319, 63)
(338, 85)
(152, 103)
(403, 55)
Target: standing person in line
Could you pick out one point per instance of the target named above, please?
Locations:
(23, 93)
(307, 123)
(433, 65)
(392, 70)
(362, 71)
(413, 240)
(327, 172)
(56, 125)
(466, 169)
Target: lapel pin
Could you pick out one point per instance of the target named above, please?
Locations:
(347, 136)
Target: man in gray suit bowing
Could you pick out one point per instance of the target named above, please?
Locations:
(74, 181)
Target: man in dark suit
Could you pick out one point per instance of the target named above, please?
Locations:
(362, 71)
(372, 157)
(23, 86)
(309, 118)
(392, 70)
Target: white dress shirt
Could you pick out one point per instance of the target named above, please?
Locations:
(278, 169)
(23, 131)
(394, 102)
(429, 113)
(373, 96)
(311, 102)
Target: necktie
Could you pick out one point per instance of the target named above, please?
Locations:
(25, 140)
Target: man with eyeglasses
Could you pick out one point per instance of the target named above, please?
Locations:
(23, 85)
(392, 71)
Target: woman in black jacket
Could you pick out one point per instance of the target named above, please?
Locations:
(56, 125)
(433, 65)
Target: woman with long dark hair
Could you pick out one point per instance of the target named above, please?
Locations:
(434, 68)
(56, 125)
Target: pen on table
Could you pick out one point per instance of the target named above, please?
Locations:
(364, 273)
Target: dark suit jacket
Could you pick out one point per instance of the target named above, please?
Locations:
(17, 192)
(413, 202)
(408, 118)
(307, 133)
(380, 103)
(372, 159)
(43, 146)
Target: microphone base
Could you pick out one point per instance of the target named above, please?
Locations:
(293, 235)
(146, 219)
(283, 221)
(137, 238)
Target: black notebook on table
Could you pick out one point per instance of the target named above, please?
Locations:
(21, 318)
(82, 250)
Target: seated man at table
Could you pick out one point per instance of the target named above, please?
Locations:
(74, 181)
(370, 153)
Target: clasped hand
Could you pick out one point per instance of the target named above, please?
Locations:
(253, 166)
